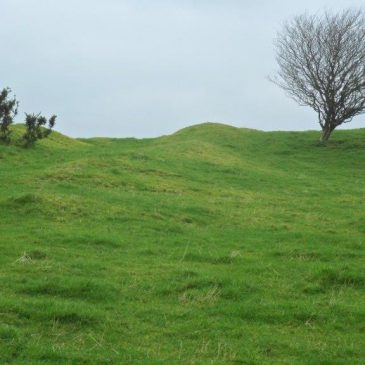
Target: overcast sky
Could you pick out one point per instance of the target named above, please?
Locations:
(144, 68)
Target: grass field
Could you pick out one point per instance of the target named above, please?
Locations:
(215, 245)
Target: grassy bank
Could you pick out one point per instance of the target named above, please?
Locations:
(215, 245)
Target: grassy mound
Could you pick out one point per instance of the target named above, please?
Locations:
(215, 245)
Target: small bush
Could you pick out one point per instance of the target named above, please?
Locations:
(37, 127)
(8, 111)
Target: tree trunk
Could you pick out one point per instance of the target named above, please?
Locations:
(326, 133)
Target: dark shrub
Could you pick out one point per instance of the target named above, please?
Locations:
(37, 127)
(8, 111)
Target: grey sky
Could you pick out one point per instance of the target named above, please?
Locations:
(146, 68)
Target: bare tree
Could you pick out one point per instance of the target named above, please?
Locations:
(322, 65)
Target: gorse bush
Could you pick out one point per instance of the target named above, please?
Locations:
(8, 110)
(37, 127)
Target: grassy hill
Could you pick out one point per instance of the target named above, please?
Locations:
(214, 245)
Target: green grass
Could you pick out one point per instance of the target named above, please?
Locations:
(215, 245)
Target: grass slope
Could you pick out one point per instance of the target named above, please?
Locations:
(215, 245)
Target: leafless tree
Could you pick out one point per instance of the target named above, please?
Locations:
(322, 65)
